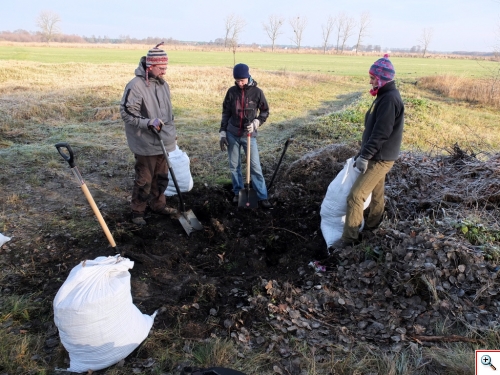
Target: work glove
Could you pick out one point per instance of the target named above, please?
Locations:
(155, 124)
(223, 141)
(253, 126)
(361, 164)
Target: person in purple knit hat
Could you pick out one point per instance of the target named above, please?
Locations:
(380, 146)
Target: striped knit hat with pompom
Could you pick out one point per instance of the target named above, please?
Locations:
(156, 56)
(383, 70)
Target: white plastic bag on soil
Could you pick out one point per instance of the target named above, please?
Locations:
(334, 206)
(180, 164)
(93, 310)
(3, 239)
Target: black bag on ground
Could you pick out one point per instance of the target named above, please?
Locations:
(210, 371)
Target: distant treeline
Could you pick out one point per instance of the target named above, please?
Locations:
(25, 36)
(28, 36)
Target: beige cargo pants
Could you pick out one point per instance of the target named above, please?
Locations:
(372, 181)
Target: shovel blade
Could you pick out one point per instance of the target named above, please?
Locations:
(248, 198)
(189, 222)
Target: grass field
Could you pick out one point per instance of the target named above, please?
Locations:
(49, 95)
(354, 66)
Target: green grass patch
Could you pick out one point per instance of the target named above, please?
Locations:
(340, 65)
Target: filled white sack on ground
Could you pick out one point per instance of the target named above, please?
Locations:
(93, 310)
(334, 205)
(3, 239)
(181, 166)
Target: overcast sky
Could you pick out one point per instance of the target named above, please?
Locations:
(458, 25)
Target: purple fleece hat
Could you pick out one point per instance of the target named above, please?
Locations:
(383, 70)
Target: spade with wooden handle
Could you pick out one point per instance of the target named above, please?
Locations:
(69, 157)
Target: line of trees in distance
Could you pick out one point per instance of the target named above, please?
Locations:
(337, 31)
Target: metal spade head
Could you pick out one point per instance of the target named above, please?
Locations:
(248, 198)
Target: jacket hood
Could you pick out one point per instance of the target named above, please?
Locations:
(140, 71)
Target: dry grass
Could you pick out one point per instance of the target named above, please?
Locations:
(57, 94)
(473, 90)
(43, 104)
(434, 122)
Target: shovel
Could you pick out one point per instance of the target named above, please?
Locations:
(288, 141)
(187, 219)
(248, 196)
(69, 158)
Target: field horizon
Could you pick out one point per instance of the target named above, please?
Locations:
(334, 64)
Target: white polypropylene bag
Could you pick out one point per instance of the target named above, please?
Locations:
(93, 310)
(180, 164)
(3, 239)
(334, 205)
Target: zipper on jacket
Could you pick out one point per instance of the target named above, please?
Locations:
(156, 95)
(242, 114)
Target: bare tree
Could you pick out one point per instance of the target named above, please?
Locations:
(272, 28)
(341, 19)
(347, 30)
(496, 48)
(364, 24)
(425, 39)
(234, 34)
(233, 27)
(327, 30)
(47, 23)
(298, 25)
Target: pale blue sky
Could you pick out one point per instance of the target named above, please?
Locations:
(459, 25)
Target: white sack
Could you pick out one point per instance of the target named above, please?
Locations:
(334, 206)
(180, 164)
(93, 310)
(3, 239)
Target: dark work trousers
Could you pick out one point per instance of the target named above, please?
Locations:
(151, 181)
(372, 181)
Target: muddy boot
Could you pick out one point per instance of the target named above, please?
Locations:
(138, 220)
(341, 244)
(167, 211)
(265, 204)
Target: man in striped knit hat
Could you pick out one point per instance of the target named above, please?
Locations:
(146, 108)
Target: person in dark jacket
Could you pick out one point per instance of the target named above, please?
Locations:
(244, 110)
(380, 146)
(146, 108)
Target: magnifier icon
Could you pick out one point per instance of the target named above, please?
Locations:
(486, 360)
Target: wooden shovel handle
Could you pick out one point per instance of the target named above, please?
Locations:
(248, 158)
(98, 214)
